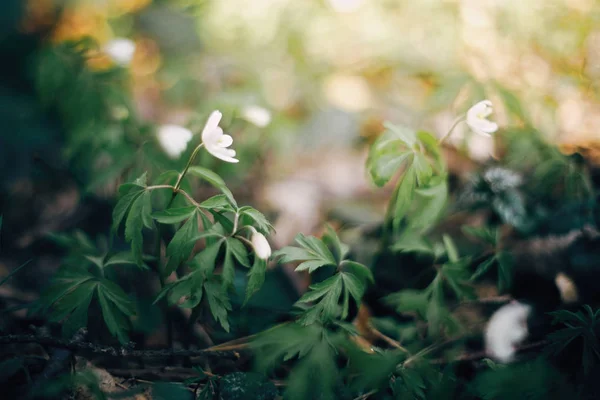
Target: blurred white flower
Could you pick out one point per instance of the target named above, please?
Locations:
(259, 116)
(215, 141)
(120, 50)
(262, 249)
(174, 139)
(506, 329)
(477, 118)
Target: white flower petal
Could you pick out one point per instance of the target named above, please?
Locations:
(483, 125)
(506, 329)
(223, 154)
(225, 141)
(211, 124)
(477, 120)
(262, 249)
(120, 50)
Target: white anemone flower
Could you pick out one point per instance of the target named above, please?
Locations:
(262, 249)
(506, 329)
(174, 139)
(215, 141)
(120, 50)
(256, 115)
(477, 118)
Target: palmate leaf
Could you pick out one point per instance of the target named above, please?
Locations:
(313, 252)
(316, 373)
(174, 215)
(417, 155)
(70, 294)
(326, 296)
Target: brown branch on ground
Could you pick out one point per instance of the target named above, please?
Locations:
(116, 351)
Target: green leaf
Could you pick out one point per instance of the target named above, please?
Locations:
(228, 274)
(142, 181)
(311, 265)
(174, 215)
(207, 258)
(124, 204)
(259, 220)
(332, 241)
(256, 278)
(219, 201)
(404, 196)
(214, 180)
(218, 302)
(451, 250)
(361, 271)
(316, 246)
(13, 272)
(327, 295)
(181, 246)
(411, 243)
(484, 233)
(409, 300)
(239, 251)
(504, 270)
(483, 268)
(138, 215)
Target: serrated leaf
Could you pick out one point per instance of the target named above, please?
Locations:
(219, 201)
(174, 215)
(123, 206)
(207, 258)
(218, 302)
(214, 180)
(239, 251)
(228, 274)
(134, 226)
(361, 271)
(332, 241)
(311, 265)
(181, 246)
(259, 220)
(256, 278)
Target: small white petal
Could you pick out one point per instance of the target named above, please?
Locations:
(484, 125)
(262, 249)
(120, 50)
(223, 154)
(211, 124)
(506, 329)
(225, 141)
(477, 120)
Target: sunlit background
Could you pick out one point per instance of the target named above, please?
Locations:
(305, 85)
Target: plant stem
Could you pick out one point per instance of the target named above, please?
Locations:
(447, 135)
(185, 170)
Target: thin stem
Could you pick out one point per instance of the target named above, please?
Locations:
(175, 190)
(235, 222)
(447, 135)
(185, 170)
